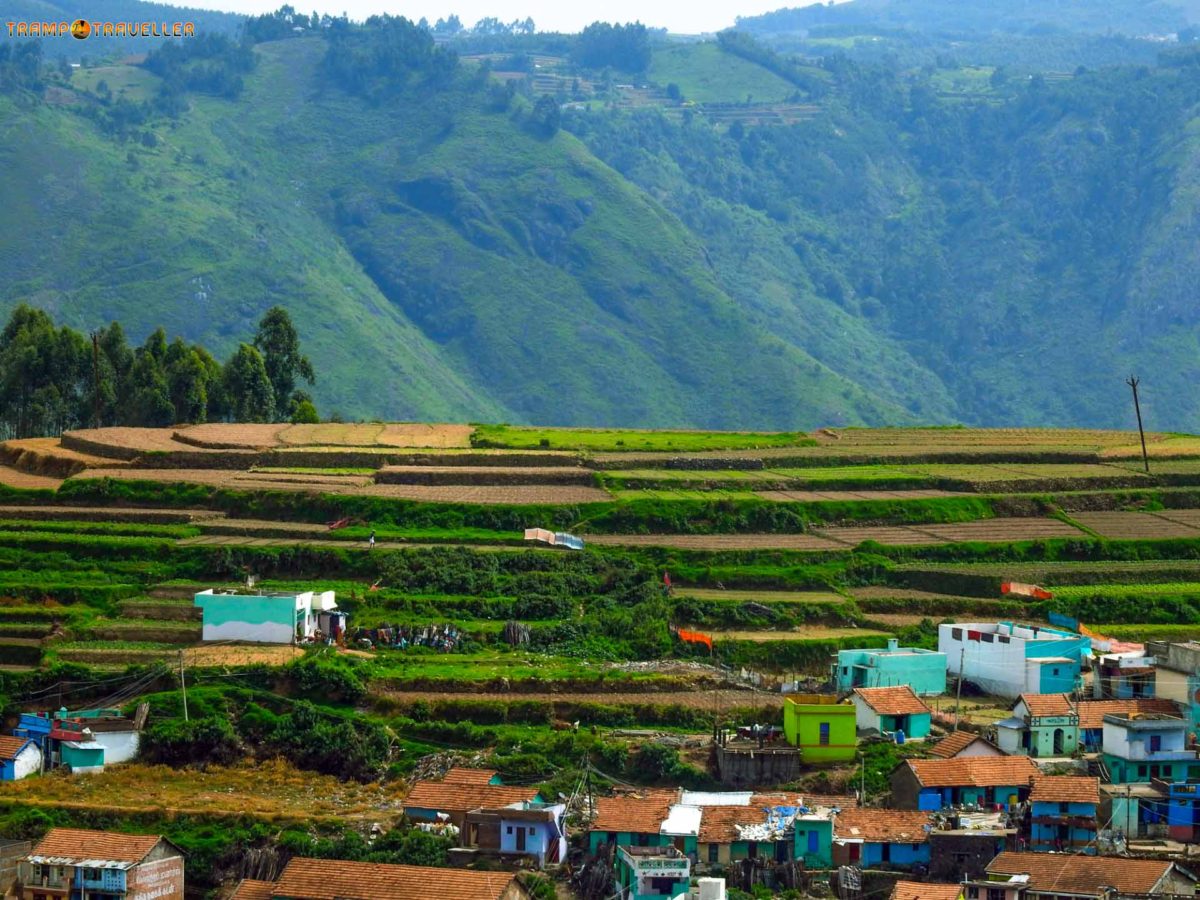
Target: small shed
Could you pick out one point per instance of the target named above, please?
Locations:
(20, 757)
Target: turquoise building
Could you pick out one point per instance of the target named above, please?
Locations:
(814, 839)
(268, 618)
(891, 711)
(922, 670)
(651, 873)
(1139, 747)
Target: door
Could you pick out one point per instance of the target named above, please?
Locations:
(1058, 742)
(520, 838)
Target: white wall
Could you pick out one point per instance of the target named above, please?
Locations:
(264, 633)
(865, 718)
(119, 746)
(997, 668)
(1172, 685)
(28, 762)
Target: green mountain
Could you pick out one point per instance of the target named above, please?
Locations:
(790, 245)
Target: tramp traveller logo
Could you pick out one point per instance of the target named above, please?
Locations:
(81, 29)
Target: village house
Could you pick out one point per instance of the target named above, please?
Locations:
(1062, 813)
(1123, 676)
(964, 743)
(891, 711)
(70, 863)
(922, 670)
(934, 784)
(460, 791)
(651, 873)
(925, 890)
(526, 828)
(1050, 876)
(1008, 660)
(269, 618)
(632, 819)
(1141, 747)
(1177, 675)
(775, 826)
(337, 879)
(85, 740)
(881, 838)
(20, 757)
(820, 727)
(963, 846)
(1051, 725)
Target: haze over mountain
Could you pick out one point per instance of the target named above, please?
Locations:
(643, 232)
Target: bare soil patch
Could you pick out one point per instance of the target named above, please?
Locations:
(415, 434)
(719, 541)
(333, 434)
(242, 655)
(13, 478)
(1136, 525)
(225, 436)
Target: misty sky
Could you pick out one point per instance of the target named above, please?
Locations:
(685, 16)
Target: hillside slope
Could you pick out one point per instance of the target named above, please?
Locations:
(441, 260)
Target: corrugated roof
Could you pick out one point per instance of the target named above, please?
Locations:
(335, 879)
(893, 701)
(109, 846)
(974, 771)
(1065, 789)
(636, 813)
(452, 798)
(882, 826)
(464, 775)
(1054, 873)
(10, 746)
(1092, 712)
(918, 890)
(956, 743)
(254, 890)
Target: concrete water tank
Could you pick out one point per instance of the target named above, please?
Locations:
(712, 889)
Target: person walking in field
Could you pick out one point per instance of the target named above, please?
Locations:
(371, 540)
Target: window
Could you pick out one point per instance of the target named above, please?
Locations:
(713, 853)
(1155, 743)
(824, 739)
(995, 894)
(1055, 670)
(1141, 771)
(508, 830)
(531, 829)
(1062, 808)
(91, 874)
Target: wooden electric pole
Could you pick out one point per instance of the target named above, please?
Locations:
(1133, 382)
(95, 380)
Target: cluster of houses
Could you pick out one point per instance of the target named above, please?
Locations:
(81, 741)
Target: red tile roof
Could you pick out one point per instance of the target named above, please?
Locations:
(641, 813)
(1054, 873)
(335, 879)
(10, 746)
(882, 826)
(956, 743)
(254, 890)
(1065, 789)
(74, 843)
(920, 890)
(974, 771)
(462, 798)
(464, 775)
(893, 701)
(1092, 712)
(717, 823)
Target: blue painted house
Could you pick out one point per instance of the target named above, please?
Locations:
(528, 828)
(881, 838)
(1063, 812)
(985, 781)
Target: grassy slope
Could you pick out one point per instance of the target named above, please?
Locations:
(707, 74)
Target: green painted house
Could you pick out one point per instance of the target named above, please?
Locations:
(820, 727)
(268, 618)
(814, 839)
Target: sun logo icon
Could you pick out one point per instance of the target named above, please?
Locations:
(80, 29)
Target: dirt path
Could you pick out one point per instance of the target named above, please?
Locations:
(719, 699)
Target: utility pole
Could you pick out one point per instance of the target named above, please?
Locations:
(862, 784)
(962, 656)
(588, 769)
(1133, 381)
(95, 379)
(183, 687)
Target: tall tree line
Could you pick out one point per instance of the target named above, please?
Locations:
(53, 378)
